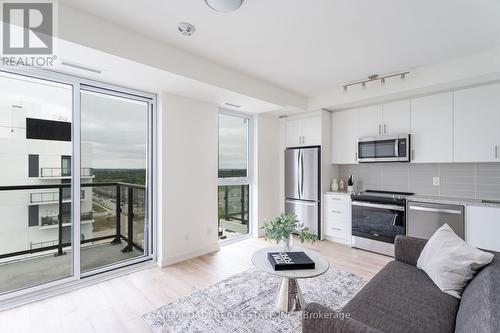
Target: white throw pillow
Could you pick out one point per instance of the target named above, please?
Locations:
(450, 262)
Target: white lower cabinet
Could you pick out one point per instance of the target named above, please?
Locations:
(483, 227)
(337, 217)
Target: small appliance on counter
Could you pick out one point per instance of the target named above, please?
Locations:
(377, 218)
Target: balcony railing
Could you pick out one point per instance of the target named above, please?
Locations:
(59, 220)
(50, 197)
(64, 172)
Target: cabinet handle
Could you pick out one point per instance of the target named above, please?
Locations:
(385, 128)
(300, 139)
(336, 211)
(303, 139)
(338, 229)
(496, 151)
(379, 129)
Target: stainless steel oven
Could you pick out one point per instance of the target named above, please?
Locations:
(394, 148)
(377, 218)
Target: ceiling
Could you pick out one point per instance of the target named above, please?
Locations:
(314, 46)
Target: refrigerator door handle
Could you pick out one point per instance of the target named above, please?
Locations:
(298, 174)
(304, 203)
(302, 174)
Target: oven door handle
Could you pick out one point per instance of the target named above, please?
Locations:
(372, 205)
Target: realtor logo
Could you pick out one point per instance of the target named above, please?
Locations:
(28, 28)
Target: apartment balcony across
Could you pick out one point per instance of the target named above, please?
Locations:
(49, 198)
(64, 173)
(47, 222)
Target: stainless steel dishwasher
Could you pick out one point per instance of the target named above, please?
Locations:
(425, 218)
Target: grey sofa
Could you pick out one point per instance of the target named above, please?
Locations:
(402, 298)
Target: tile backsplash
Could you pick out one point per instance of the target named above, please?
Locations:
(467, 180)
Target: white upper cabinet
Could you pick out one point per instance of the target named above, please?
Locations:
(432, 128)
(477, 124)
(311, 131)
(293, 132)
(304, 131)
(370, 121)
(344, 137)
(396, 118)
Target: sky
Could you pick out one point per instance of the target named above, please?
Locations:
(113, 130)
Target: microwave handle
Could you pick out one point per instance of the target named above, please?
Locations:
(396, 147)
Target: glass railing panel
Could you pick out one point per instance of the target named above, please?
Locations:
(233, 211)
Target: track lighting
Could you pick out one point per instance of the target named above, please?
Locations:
(375, 77)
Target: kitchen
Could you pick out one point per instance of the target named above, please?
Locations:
(431, 158)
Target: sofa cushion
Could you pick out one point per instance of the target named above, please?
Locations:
(450, 262)
(402, 298)
(480, 306)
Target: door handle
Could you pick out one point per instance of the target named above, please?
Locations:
(436, 210)
(303, 203)
(302, 175)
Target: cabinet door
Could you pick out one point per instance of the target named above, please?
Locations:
(344, 137)
(293, 132)
(396, 118)
(477, 124)
(370, 121)
(432, 128)
(483, 227)
(311, 131)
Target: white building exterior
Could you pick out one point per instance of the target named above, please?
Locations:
(29, 217)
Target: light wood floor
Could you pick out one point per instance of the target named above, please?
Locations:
(117, 305)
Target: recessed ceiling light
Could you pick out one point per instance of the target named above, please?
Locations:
(224, 6)
(187, 29)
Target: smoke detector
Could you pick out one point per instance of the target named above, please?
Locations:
(224, 6)
(187, 29)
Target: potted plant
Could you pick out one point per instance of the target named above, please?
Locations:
(282, 227)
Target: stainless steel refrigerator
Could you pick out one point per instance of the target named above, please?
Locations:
(302, 186)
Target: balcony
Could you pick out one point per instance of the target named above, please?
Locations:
(47, 198)
(233, 211)
(64, 173)
(112, 231)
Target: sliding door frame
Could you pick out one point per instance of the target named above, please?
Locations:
(78, 279)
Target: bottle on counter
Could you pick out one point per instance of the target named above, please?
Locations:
(335, 185)
(341, 184)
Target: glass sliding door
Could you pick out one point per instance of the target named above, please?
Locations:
(114, 145)
(234, 175)
(35, 188)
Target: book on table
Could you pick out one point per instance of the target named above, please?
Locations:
(284, 261)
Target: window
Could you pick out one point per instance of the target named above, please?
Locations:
(234, 175)
(42, 129)
(65, 166)
(33, 166)
(233, 146)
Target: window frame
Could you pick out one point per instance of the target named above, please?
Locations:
(79, 279)
(248, 180)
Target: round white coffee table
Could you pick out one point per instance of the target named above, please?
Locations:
(289, 295)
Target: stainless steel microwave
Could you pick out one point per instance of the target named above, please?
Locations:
(394, 148)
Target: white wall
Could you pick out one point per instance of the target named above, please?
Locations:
(187, 197)
(267, 202)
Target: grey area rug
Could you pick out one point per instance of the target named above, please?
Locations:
(246, 303)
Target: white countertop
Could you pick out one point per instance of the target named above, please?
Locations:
(452, 200)
(338, 192)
